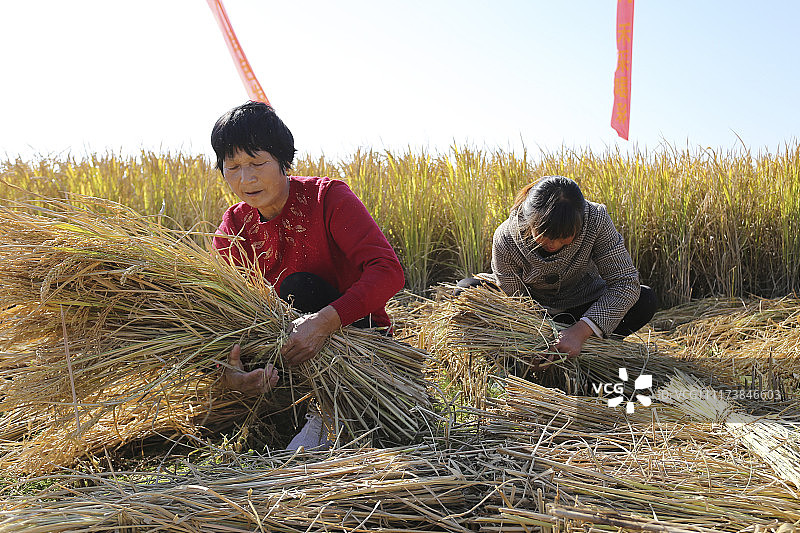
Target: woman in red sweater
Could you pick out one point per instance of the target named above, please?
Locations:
(312, 238)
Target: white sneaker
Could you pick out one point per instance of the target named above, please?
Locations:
(313, 435)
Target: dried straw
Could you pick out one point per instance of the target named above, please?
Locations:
(775, 440)
(535, 459)
(484, 332)
(559, 459)
(388, 490)
(140, 300)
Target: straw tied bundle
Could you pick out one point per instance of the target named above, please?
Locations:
(484, 332)
(102, 309)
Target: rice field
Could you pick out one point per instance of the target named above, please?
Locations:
(115, 320)
(697, 222)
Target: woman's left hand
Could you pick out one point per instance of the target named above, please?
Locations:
(308, 335)
(570, 340)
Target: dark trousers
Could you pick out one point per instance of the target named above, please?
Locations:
(309, 293)
(636, 317)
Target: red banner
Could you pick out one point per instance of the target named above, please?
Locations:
(621, 114)
(254, 90)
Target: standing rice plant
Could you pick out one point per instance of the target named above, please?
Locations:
(619, 182)
(94, 294)
(417, 226)
(365, 172)
(698, 222)
(468, 190)
(785, 171)
(319, 167)
(507, 174)
(184, 191)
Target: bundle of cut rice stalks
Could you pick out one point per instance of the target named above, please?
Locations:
(775, 440)
(395, 490)
(105, 311)
(556, 460)
(726, 321)
(483, 332)
(677, 316)
(37, 439)
(753, 343)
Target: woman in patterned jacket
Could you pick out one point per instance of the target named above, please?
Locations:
(565, 253)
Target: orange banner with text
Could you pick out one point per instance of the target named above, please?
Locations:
(621, 114)
(254, 90)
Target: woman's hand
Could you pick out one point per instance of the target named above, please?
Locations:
(570, 340)
(308, 335)
(255, 382)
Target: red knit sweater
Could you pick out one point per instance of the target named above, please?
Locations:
(323, 229)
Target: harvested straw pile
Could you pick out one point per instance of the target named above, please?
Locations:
(391, 490)
(35, 438)
(752, 343)
(534, 460)
(483, 332)
(557, 460)
(106, 313)
(775, 440)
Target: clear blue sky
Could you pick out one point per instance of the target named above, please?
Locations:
(91, 75)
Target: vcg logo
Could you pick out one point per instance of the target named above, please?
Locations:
(645, 381)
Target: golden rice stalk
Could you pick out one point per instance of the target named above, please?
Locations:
(484, 332)
(94, 293)
(350, 491)
(775, 440)
(543, 450)
(40, 438)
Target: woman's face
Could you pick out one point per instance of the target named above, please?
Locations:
(258, 180)
(552, 245)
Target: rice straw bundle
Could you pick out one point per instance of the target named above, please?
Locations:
(744, 340)
(38, 439)
(94, 294)
(388, 490)
(545, 452)
(703, 308)
(483, 331)
(775, 440)
(480, 333)
(725, 322)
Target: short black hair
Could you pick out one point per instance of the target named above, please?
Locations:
(552, 207)
(252, 127)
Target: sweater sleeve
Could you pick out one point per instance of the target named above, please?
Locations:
(364, 245)
(507, 262)
(226, 246)
(615, 266)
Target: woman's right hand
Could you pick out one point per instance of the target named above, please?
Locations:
(308, 335)
(571, 340)
(258, 381)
